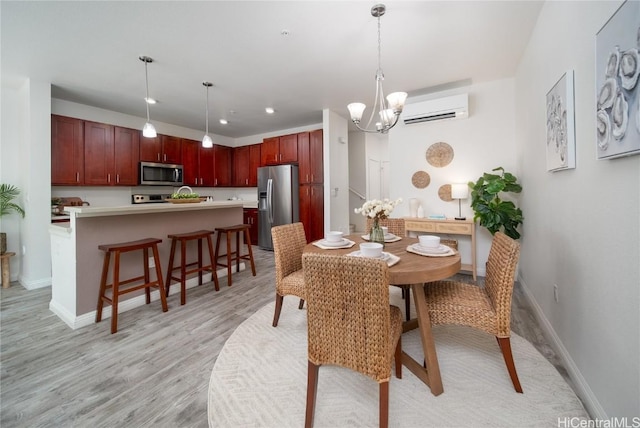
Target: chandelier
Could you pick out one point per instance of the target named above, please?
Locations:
(149, 131)
(388, 111)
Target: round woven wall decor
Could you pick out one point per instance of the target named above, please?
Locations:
(445, 192)
(420, 179)
(439, 154)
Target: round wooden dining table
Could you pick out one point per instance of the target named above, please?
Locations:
(414, 270)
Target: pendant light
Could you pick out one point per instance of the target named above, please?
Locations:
(389, 110)
(207, 142)
(149, 130)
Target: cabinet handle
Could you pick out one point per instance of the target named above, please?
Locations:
(312, 178)
(201, 181)
(118, 178)
(77, 177)
(280, 157)
(158, 157)
(165, 157)
(216, 182)
(108, 178)
(307, 179)
(246, 181)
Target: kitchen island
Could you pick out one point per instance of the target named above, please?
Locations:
(76, 261)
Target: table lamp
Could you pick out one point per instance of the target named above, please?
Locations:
(459, 191)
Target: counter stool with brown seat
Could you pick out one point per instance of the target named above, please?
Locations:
(235, 255)
(117, 250)
(183, 238)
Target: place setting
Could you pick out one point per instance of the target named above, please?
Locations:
(334, 240)
(429, 245)
(388, 237)
(373, 250)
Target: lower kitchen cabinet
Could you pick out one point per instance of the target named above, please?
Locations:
(312, 210)
(251, 218)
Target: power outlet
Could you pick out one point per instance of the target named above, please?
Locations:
(555, 292)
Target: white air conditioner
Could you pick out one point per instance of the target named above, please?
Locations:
(454, 107)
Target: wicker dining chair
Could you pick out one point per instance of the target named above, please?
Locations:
(350, 323)
(289, 241)
(485, 308)
(395, 225)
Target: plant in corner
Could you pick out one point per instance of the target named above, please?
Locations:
(493, 212)
(8, 193)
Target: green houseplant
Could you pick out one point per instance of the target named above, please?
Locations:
(494, 213)
(8, 193)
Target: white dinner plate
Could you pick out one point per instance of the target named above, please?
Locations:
(383, 256)
(440, 249)
(340, 243)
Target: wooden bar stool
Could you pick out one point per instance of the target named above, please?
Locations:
(183, 238)
(125, 247)
(235, 255)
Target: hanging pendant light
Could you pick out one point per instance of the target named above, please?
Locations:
(149, 130)
(388, 111)
(207, 142)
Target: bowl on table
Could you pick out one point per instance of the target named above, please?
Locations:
(429, 241)
(333, 236)
(371, 249)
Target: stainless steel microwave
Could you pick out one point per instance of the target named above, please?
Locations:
(160, 174)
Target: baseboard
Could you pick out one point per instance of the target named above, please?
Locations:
(583, 390)
(89, 318)
(32, 285)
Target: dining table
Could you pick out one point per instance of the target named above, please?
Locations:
(414, 270)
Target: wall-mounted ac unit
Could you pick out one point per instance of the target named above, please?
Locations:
(454, 107)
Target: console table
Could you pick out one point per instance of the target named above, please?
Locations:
(452, 227)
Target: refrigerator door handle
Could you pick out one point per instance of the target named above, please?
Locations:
(270, 199)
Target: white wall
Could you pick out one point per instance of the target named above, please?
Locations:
(582, 227)
(357, 177)
(336, 172)
(480, 143)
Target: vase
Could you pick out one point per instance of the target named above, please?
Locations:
(420, 212)
(376, 234)
(413, 207)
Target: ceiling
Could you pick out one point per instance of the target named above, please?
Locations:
(89, 52)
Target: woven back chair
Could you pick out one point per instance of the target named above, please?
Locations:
(395, 225)
(288, 243)
(488, 308)
(350, 322)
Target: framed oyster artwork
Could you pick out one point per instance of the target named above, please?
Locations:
(561, 134)
(617, 99)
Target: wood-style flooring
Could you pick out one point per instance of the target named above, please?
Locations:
(154, 372)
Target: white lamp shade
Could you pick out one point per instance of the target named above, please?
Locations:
(459, 191)
(356, 110)
(149, 131)
(207, 142)
(396, 100)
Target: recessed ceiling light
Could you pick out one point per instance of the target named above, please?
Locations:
(150, 100)
(224, 121)
(285, 32)
(269, 110)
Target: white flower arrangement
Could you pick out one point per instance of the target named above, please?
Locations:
(378, 209)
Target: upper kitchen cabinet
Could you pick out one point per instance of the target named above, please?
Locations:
(67, 151)
(246, 160)
(310, 157)
(279, 150)
(198, 164)
(110, 155)
(222, 165)
(163, 149)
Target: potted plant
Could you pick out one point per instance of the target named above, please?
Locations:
(8, 193)
(494, 213)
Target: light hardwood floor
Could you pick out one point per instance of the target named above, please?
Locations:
(154, 372)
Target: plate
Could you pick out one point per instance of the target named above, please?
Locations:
(417, 249)
(340, 243)
(440, 249)
(383, 256)
(389, 237)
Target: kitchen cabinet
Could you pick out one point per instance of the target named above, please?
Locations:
(198, 164)
(279, 150)
(246, 160)
(250, 217)
(222, 165)
(110, 155)
(312, 210)
(310, 157)
(163, 149)
(67, 151)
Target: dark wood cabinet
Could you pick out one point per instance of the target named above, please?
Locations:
(251, 218)
(246, 160)
(222, 165)
(310, 157)
(67, 151)
(163, 149)
(110, 155)
(126, 156)
(198, 164)
(312, 210)
(279, 150)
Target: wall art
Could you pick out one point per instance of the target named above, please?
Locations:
(617, 99)
(561, 134)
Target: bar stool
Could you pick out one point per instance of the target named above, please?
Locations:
(231, 256)
(183, 238)
(125, 247)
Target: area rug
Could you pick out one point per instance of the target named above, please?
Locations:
(259, 380)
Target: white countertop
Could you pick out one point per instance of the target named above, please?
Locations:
(87, 211)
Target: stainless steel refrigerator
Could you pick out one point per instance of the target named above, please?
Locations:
(278, 201)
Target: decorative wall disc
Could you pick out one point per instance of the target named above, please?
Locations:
(421, 179)
(439, 154)
(445, 192)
